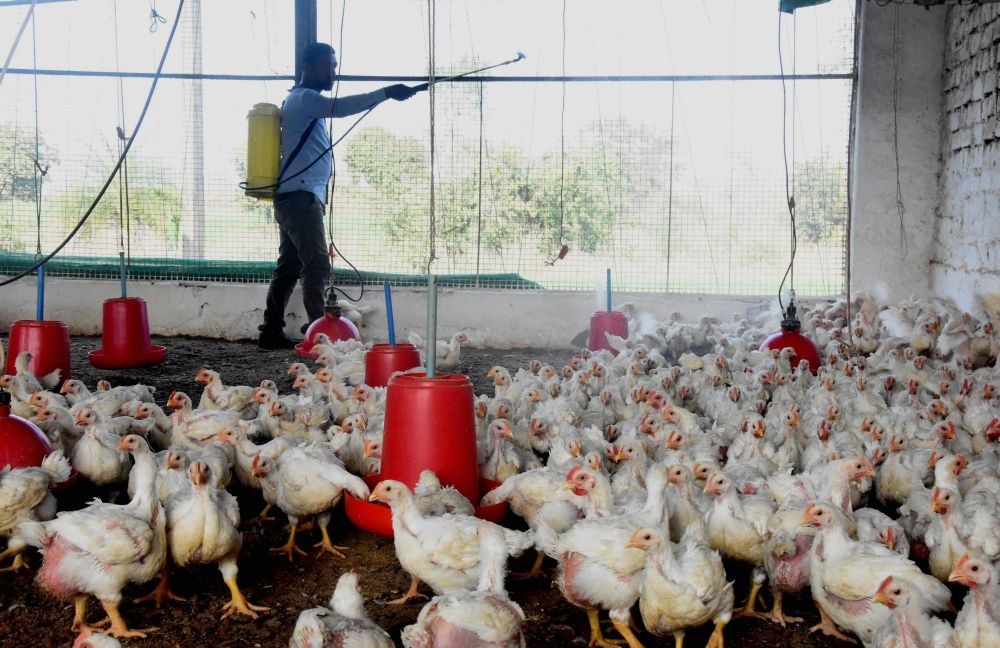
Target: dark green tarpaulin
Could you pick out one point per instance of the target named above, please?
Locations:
(789, 6)
(237, 271)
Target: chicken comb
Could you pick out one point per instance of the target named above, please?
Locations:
(885, 584)
(573, 472)
(961, 562)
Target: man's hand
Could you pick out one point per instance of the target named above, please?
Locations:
(399, 92)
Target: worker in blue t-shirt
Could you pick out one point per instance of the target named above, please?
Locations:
(299, 200)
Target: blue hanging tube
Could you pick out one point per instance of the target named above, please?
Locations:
(388, 313)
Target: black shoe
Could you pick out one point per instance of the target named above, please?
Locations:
(273, 340)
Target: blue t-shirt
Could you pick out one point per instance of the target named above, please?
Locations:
(301, 106)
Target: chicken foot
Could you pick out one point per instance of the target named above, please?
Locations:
(18, 562)
(829, 628)
(239, 603)
(261, 518)
(410, 593)
(716, 639)
(118, 627)
(626, 631)
(289, 547)
(534, 572)
(750, 609)
(325, 545)
(162, 592)
(778, 616)
(596, 636)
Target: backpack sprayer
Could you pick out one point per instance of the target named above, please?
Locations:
(264, 169)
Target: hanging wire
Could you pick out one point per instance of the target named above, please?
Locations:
(111, 177)
(432, 92)
(851, 141)
(784, 151)
(562, 133)
(900, 207)
(479, 184)
(155, 19)
(39, 173)
(124, 204)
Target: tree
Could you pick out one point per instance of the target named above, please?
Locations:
(820, 198)
(17, 162)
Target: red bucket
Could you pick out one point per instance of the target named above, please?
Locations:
(336, 328)
(382, 360)
(430, 423)
(125, 336)
(602, 322)
(48, 343)
(376, 517)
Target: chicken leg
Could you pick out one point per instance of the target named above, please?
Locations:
(829, 628)
(261, 518)
(534, 572)
(118, 627)
(716, 639)
(162, 592)
(410, 593)
(749, 610)
(237, 602)
(626, 631)
(325, 545)
(80, 612)
(18, 562)
(778, 616)
(290, 547)
(596, 636)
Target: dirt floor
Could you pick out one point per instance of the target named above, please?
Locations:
(31, 617)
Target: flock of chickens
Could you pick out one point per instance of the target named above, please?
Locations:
(871, 485)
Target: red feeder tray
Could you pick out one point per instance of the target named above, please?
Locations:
(376, 517)
(804, 347)
(382, 360)
(48, 343)
(336, 328)
(603, 322)
(125, 336)
(22, 444)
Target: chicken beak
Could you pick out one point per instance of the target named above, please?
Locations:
(123, 445)
(938, 507)
(883, 599)
(376, 497)
(890, 539)
(634, 542)
(198, 476)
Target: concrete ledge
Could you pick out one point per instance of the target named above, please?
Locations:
(494, 318)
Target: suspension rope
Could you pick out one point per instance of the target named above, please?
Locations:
(479, 184)
(562, 133)
(124, 204)
(900, 207)
(38, 176)
(784, 151)
(432, 93)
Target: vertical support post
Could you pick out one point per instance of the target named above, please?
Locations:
(608, 282)
(305, 31)
(432, 313)
(391, 323)
(40, 305)
(121, 271)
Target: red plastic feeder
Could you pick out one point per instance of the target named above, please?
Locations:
(125, 336)
(603, 322)
(335, 327)
(790, 337)
(48, 343)
(382, 360)
(429, 423)
(22, 444)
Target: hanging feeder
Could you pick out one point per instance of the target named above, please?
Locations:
(430, 423)
(789, 336)
(125, 336)
(46, 340)
(607, 321)
(22, 444)
(383, 360)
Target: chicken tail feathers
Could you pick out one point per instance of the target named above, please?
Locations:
(518, 541)
(57, 465)
(51, 379)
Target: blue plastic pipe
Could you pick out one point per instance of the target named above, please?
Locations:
(40, 304)
(609, 289)
(388, 313)
(432, 313)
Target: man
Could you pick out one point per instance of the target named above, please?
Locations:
(300, 197)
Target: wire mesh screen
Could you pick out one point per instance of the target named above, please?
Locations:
(675, 181)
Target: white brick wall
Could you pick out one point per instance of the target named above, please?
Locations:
(966, 258)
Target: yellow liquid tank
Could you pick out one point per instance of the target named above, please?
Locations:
(263, 149)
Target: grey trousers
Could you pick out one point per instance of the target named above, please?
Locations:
(302, 253)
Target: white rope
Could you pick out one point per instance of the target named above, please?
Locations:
(432, 92)
(17, 39)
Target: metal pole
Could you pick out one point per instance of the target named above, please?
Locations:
(40, 305)
(305, 31)
(388, 313)
(121, 271)
(432, 313)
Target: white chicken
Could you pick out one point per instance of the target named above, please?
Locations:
(443, 551)
(682, 587)
(447, 354)
(25, 494)
(343, 623)
(978, 622)
(100, 549)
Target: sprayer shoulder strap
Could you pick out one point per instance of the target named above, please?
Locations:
(298, 147)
